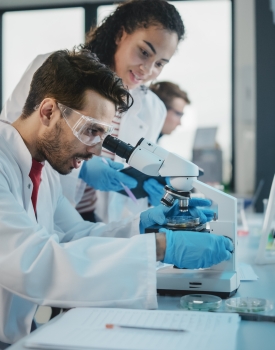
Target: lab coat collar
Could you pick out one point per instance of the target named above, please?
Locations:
(15, 146)
(16, 149)
(135, 117)
(136, 107)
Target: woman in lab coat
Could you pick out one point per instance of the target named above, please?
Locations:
(136, 41)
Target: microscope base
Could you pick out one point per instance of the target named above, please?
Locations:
(173, 281)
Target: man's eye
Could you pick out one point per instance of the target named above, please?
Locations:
(95, 131)
(92, 131)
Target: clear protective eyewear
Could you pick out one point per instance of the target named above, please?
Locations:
(87, 129)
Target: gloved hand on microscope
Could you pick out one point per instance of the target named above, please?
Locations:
(158, 215)
(101, 173)
(155, 191)
(187, 249)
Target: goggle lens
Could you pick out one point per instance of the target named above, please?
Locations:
(87, 129)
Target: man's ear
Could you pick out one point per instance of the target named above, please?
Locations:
(49, 111)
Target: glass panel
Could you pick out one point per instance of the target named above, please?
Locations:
(41, 31)
(202, 67)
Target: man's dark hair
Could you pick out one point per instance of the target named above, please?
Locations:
(131, 15)
(66, 75)
(166, 91)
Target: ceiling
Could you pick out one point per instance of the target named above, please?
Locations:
(13, 4)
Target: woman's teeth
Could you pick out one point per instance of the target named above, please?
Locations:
(135, 76)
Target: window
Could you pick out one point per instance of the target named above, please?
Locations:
(29, 33)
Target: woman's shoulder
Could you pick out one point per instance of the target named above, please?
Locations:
(39, 60)
(150, 99)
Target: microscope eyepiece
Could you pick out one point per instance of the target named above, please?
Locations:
(122, 149)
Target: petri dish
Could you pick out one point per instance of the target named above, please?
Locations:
(183, 221)
(248, 304)
(200, 302)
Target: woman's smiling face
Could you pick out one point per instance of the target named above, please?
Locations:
(141, 56)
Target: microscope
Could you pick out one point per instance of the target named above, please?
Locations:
(149, 158)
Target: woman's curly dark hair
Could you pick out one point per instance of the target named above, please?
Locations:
(130, 16)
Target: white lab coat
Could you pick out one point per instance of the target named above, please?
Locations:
(144, 119)
(59, 259)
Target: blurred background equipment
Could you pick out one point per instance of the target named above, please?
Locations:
(208, 155)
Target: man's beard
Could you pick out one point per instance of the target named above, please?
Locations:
(58, 153)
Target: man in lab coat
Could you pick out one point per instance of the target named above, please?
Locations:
(48, 254)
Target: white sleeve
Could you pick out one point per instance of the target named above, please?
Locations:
(78, 271)
(15, 103)
(69, 221)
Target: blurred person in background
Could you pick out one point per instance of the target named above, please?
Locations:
(175, 100)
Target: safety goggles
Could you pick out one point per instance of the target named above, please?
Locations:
(87, 129)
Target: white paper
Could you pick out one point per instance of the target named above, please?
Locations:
(246, 272)
(84, 328)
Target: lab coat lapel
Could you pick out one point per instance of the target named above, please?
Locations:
(46, 199)
(133, 124)
(17, 149)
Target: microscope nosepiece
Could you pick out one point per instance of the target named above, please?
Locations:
(167, 200)
(170, 196)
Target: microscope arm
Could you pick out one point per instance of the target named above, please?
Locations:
(227, 204)
(154, 160)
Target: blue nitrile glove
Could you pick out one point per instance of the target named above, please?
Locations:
(101, 174)
(195, 209)
(155, 191)
(194, 250)
(158, 215)
(152, 216)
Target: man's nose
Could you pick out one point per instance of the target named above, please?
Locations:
(95, 149)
